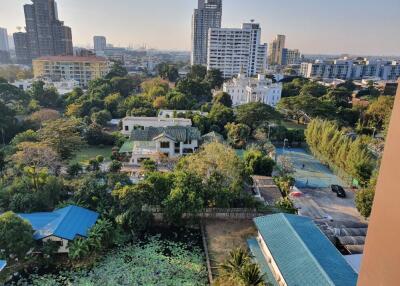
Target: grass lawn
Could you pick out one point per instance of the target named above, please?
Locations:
(293, 125)
(84, 155)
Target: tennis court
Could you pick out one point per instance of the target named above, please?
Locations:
(310, 172)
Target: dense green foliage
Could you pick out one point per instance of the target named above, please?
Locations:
(335, 146)
(156, 262)
(15, 236)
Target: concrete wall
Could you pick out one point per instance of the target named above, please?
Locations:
(381, 261)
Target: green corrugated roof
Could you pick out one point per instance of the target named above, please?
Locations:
(213, 137)
(259, 258)
(127, 147)
(303, 253)
(177, 133)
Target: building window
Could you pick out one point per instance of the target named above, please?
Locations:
(126, 128)
(164, 144)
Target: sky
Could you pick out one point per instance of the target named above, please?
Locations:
(362, 27)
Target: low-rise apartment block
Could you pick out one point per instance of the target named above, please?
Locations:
(351, 70)
(81, 69)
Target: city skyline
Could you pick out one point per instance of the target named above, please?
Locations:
(308, 26)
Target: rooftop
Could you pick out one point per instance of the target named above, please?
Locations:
(176, 133)
(71, 59)
(302, 252)
(66, 223)
(3, 264)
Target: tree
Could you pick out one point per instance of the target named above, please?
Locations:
(16, 236)
(216, 158)
(178, 101)
(185, 197)
(238, 269)
(378, 111)
(168, 72)
(258, 164)
(255, 113)
(339, 96)
(364, 200)
(154, 88)
(214, 78)
(37, 156)
(198, 90)
(197, 72)
(8, 123)
(220, 116)
(115, 166)
(238, 134)
(62, 135)
(313, 89)
(223, 98)
(47, 97)
(300, 106)
(117, 70)
(74, 170)
(101, 118)
(43, 115)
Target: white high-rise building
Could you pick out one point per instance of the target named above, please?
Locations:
(208, 15)
(4, 40)
(232, 49)
(243, 89)
(100, 43)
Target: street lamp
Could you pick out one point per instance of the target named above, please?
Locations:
(284, 144)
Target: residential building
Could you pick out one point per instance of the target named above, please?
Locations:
(292, 251)
(231, 50)
(275, 56)
(158, 142)
(207, 15)
(5, 57)
(62, 225)
(130, 123)
(380, 264)
(45, 34)
(351, 70)
(100, 43)
(290, 57)
(164, 113)
(59, 68)
(4, 40)
(243, 89)
(22, 49)
(62, 87)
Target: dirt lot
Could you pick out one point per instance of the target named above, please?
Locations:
(318, 203)
(225, 235)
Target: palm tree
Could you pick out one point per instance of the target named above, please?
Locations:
(251, 275)
(79, 249)
(234, 264)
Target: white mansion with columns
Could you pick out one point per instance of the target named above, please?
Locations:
(243, 89)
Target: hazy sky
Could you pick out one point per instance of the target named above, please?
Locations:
(313, 26)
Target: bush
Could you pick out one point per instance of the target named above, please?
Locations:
(364, 200)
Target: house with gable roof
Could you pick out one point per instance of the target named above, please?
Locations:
(62, 225)
(153, 142)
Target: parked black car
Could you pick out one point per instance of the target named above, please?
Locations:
(340, 192)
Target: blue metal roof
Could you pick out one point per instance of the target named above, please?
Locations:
(66, 223)
(3, 264)
(260, 259)
(303, 253)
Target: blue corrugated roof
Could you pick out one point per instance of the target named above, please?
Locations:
(260, 259)
(303, 253)
(3, 264)
(66, 223)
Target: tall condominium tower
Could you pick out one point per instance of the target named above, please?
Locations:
(100, 43)
(207, 15)
(4, 40)
(45, 35)
(275, 56)
(233, 51)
